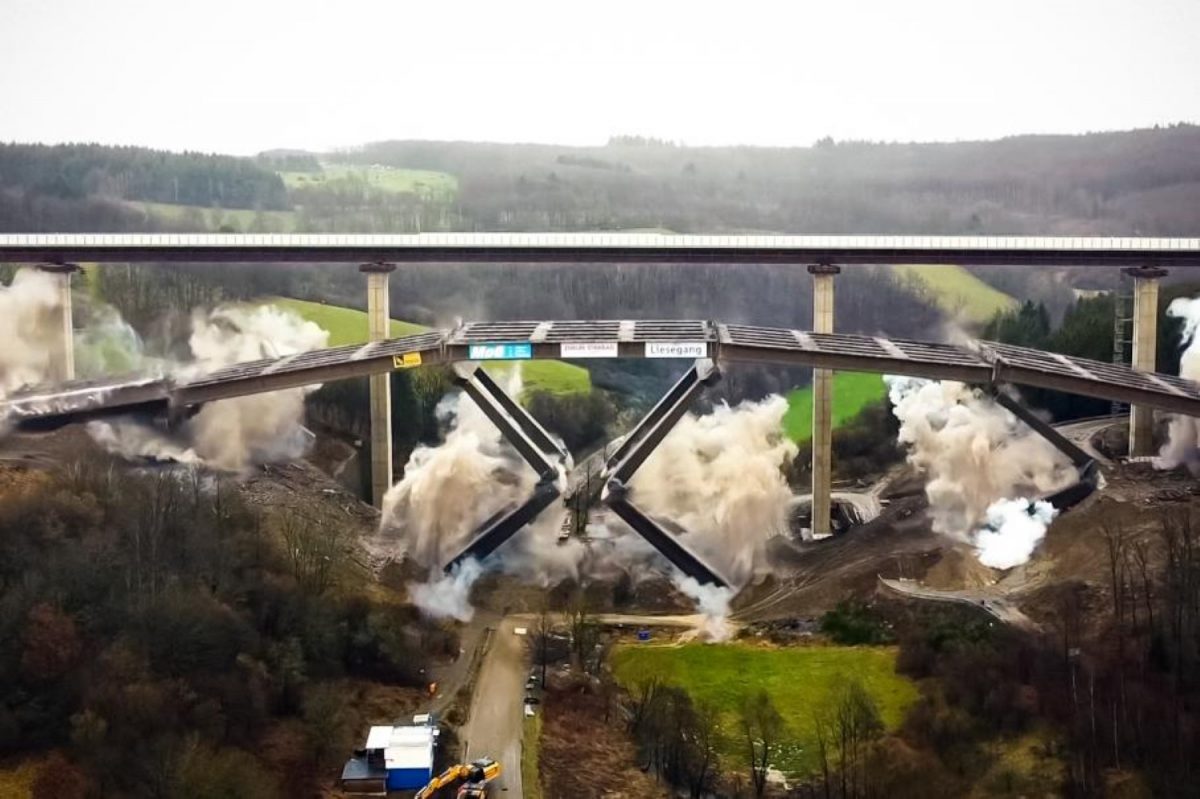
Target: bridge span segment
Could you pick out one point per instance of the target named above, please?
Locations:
(982, 363)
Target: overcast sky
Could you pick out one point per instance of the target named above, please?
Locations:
(254, 74)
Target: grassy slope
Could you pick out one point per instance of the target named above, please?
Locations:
(240, 219)
(345, 325)
(531, 747)
(398, 181)
(349, 326)
(852, 391)
(798, 679)
(959, 293)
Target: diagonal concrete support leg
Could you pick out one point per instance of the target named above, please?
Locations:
(642, 441)
(379, 321)
(514, 422)
(1145, 351)
(62, 368)
(685, 384)
(822, 418)
(1066, 446)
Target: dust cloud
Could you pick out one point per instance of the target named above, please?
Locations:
(976, 454)
(1183, 438)
(718, 476)
(29, 326)
(1014, 529)
(230, 435)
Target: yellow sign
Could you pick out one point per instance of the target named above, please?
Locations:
(406, 361)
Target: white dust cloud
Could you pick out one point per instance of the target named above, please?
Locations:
(1014, 529)
(233, 434)
(718, 477)
(448, 596)
(975, 453)
(1183, 439)
(448, 490)
(30, 326)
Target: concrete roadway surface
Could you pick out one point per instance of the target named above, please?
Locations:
(990, 602)
(494, 726)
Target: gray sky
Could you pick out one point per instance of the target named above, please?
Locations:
(245, 75)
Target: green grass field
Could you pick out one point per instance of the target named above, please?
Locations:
(345, 325)
(798, 679)
(424, 182)
(349, 326)
(958, 292)
(239, 220)
(852, 391)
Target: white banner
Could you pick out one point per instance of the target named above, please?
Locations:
(588, 349)
(676, 349)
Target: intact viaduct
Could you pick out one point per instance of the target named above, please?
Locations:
(987, 364)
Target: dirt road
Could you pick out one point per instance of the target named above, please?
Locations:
(493, 728)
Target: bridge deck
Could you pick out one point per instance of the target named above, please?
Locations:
(598, 247)
(982, 364)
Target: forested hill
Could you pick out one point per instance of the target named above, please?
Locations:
(80, 171)
(1137, 182)
(1143, 182)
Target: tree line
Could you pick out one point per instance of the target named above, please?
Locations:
(80, 171)
(154, 626)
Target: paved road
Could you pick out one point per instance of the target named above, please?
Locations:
(493, 727)
(996, 605)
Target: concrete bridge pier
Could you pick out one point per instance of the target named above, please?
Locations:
(1145, 351)
(379, 328)
(822, 430)
(62, 367)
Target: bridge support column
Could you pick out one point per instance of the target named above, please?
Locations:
(1145, 351)
(822, 419)
(62, 367)
(379, 328)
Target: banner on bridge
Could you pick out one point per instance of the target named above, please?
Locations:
(676, 349)
(506, 351)
(588, 349)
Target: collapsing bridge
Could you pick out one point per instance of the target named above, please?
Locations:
(987, 364)
(377, 255)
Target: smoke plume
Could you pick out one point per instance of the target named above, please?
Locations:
(1183, 439)
(448, 596)
(975, 453)
(1014, 529)
(229, 434)
(29, 327)
(719, 477)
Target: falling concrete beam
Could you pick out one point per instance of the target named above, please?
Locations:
(638, 446)
(616, 497)
(1063, 444)
(651, 431)
(514, 424)
(497, 530)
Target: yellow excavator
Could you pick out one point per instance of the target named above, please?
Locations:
(474, 776)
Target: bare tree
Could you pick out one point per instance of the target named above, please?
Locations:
(315, 548)
(762, 727)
